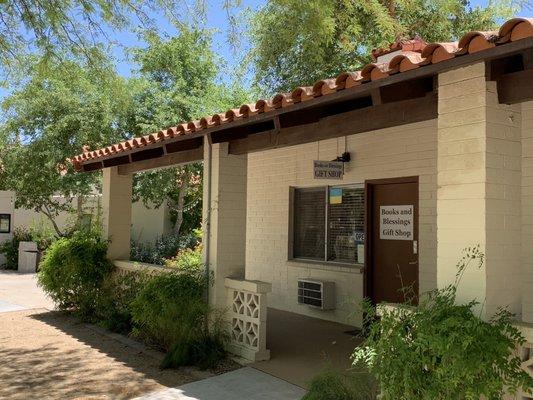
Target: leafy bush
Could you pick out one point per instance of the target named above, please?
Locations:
(165, 247)
(170, 311)
(187, 260)
(442, 350)
(72, 273)
(331, 385)
(167, 310)
(42, 234)
(204, 347)
(10, 248)
(113, 309)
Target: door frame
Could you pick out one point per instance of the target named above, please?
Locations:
(368, 270)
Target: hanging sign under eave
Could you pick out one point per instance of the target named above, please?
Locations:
(328, 169)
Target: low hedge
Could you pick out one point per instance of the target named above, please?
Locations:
(165, 310)
(170, 311)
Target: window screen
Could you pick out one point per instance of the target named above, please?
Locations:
(334, 215)
(310, 223)
(346, 224)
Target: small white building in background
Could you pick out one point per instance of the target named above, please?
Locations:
(147, 223)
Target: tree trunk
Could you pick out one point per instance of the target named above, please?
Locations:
(46, 211)
(184, 185)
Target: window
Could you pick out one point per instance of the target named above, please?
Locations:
(328, 224)
(310, 223)
(5, 223)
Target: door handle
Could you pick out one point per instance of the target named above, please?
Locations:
(413, 262)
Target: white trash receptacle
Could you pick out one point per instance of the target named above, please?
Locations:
(28, 255)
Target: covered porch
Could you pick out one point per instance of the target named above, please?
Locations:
(302, 347)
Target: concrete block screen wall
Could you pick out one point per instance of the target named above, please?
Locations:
(409, 150)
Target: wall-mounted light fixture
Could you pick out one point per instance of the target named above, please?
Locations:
(345, 157)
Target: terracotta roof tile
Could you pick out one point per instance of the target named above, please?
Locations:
(437, 52)
(347, 80)
(413, 54)
(264, 105)
(248, 110)
(476, 41)
(302, 93)
(415, 45)
(404, 62)
(516, 29)
(282, 100)
(324, 87)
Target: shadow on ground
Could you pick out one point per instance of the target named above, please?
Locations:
(49, 355)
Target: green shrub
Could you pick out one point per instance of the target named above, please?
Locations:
(331, 385)
(203, 346)
(170, 311)
(42, 234)
(72, 272)
(187, 260)
(113, 308)
(10, 248)
(442, 350)
(163, 248)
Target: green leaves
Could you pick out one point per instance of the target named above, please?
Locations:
(442, 350)
(49, 119)
(296, 43)
(72, 272)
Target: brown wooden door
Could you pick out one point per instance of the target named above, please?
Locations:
(392, 227)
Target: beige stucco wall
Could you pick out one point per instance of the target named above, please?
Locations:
(147, 223)
(408, 150)
(6, 207)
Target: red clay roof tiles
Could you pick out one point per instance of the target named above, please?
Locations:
(415, 53)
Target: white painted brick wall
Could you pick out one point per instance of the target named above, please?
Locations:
(527, 212)
(116, 212)
(409, 150)
(479, 178)
(228, 218)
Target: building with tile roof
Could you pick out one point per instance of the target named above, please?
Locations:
(359, 185)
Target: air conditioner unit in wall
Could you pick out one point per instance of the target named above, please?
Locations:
(316, 293)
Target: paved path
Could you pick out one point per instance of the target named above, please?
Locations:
(245, 383)
(6, 307)
(22, 290)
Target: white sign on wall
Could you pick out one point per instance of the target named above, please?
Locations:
(328, 169)
(396, 222)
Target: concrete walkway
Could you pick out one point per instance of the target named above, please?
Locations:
(242, 384)
(7, 307)
(22, 290)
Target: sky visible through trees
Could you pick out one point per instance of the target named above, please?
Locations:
(217, 19)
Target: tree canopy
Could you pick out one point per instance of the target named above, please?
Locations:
(177, 82)
(296, 43)
(60, 109)
(51, 118)
(70, 27)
